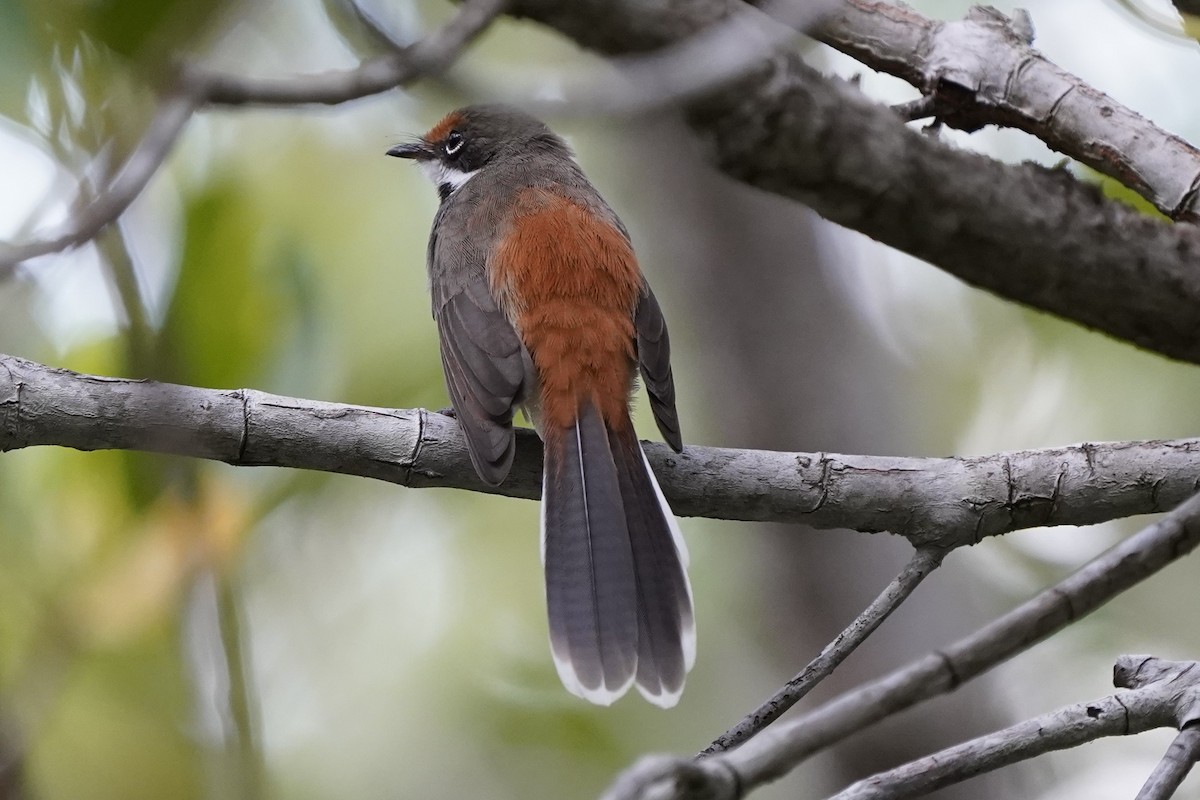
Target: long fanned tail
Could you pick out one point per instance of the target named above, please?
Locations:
(617, 593)
(666, 625)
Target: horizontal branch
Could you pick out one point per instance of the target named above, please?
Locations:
(940, 502)
(1023, 232)
(982, 70)
(779, 749)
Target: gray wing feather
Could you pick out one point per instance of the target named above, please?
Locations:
(485, 367)
(654, 360)
(488, 371)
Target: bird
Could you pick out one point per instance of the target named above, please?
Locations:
(541, 306)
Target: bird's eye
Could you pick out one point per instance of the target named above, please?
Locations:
(454, 142)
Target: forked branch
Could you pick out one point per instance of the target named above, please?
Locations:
(781, 748)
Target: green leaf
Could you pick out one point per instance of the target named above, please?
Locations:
(231, 300)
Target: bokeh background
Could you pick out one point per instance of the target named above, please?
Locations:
(181, 629)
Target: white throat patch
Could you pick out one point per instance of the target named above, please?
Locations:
(442, 175)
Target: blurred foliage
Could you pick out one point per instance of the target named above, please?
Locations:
(18, 53)
(171, 628)
(231, 303)
(181, 629)
(144, 32)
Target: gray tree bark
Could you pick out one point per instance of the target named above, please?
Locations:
(784, 362)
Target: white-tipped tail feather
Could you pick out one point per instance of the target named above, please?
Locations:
(618, 598)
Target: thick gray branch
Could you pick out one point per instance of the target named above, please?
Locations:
(939, 502)
(1181, 677)
(1030, 234)
(982, 70)
(781, 748)
(1182, 680)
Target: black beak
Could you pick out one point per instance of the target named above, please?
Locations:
(416, 150)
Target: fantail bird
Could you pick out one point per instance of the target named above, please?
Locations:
(540, 304)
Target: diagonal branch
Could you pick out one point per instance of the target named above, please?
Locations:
(1152, 704)
(982, 70)
(674, 74)
(780, 749)
(1175, 765)
(936, 502)
(1030, 234)
(172, 116)
(924, 561)
(198, 87)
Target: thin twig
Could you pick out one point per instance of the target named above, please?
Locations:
(1164, 26)
(779, 749)
(12, 759)
(924, 561)
(118, 264)
(198, 87)
(427, 57)
(169, 121)
(242, 743)
(1178, 761)
(937, 502)
(1130, 562)
(378, 35)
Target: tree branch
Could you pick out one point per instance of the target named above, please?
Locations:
(982, 71)
(1030, 234)
(923, 562)
(674, 74)
(198, 87)
(936, 502)
(779, 749)
(1153, 704)
(1178, 761)
(388, 71)
(170, 118)
(1033, 235)
(1182, 678)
